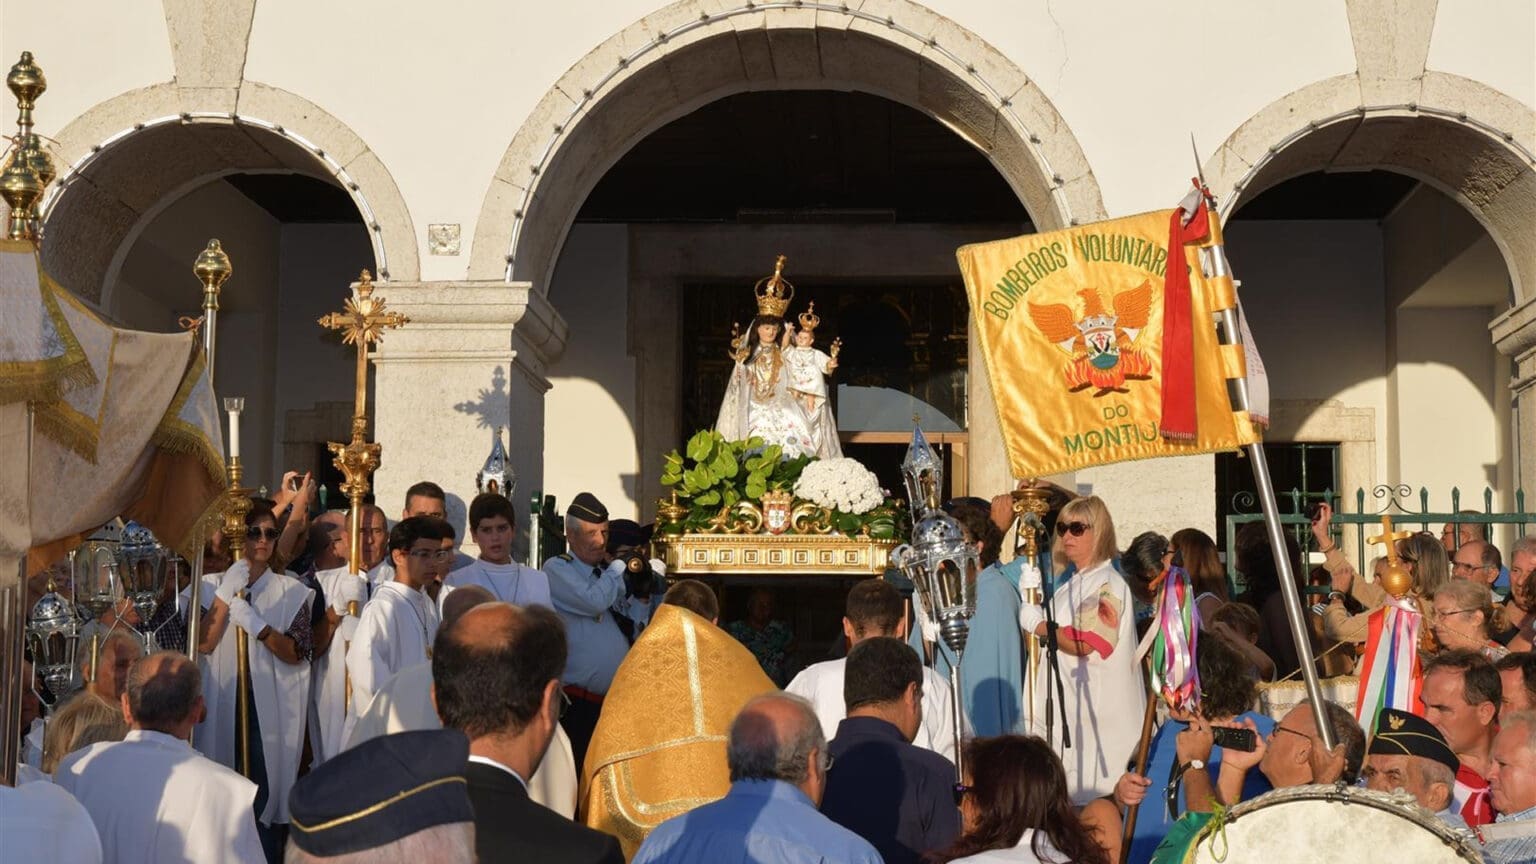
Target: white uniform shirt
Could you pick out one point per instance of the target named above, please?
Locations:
(396, 630)
(42, 822)
(513, 583)
(822, 685)
(154, 799)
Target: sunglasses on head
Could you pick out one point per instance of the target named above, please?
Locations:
(256, 532)
(1076, 529)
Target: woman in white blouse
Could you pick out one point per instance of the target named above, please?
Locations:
(1014, 808)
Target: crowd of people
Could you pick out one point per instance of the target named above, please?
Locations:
(435, 707)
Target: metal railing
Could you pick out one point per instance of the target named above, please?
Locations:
(1395, 501)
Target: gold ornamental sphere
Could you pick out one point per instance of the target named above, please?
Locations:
(1396, 580)
(26, 81)
(38, 158)
(212, 267)
(20, 188)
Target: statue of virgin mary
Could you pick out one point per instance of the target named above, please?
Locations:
(758, 401)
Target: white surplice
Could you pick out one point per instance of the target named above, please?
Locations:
(328, 708)
(404, 704)
(513, 583)
(396, 631)
(154, 799)
(42, 822)
(821, 684)
(279, 690)
(1104, 691)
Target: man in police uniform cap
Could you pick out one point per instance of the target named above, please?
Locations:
(587, 585)
(1409, 753)
(403, 794)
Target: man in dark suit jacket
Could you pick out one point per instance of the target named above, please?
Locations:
(496, 677)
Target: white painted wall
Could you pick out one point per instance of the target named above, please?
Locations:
(589, 433)
(438, 92)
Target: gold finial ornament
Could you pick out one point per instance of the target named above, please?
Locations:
(809, 320)
(774, 292)
(212, 268)
(1396, 581)
(362, 322)
(27, 169)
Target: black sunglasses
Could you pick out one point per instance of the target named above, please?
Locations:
(255, 533)
(1076, 529)
(960, 790)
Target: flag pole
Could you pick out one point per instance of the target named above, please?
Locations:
(1218, 272)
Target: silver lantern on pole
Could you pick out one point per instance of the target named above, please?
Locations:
(145, 568)
(940, 563)
(496, 476)
(53, 637)
(96, 579)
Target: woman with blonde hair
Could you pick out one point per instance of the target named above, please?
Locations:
(1465, 618)
(1422, 555)
(84, 720)
(1098, 699)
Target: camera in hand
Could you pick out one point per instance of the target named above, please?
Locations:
(639, 578)
(1234, 739)
(1314, 510)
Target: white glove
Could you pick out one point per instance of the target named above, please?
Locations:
(244, 616)
(347, 629)
(1030, 618)
(232, 583)
(350, 588)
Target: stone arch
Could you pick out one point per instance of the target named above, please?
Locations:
(682, 57)
(1471, 142)
(124, 159)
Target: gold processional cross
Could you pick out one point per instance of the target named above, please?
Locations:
(1397, 580)
(361, 322)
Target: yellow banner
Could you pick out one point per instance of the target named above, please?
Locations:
(1071, 325)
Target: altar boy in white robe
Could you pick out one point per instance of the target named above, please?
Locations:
(493, 524)
(399, 623)
(329, 708)
(273, 610)
(151, 797)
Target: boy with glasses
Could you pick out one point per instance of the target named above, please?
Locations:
(399, 623)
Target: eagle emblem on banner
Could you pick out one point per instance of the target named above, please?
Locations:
(1101, 343)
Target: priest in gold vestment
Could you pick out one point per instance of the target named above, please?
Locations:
(659, 748)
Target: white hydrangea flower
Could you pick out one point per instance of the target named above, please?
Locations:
(841, 484)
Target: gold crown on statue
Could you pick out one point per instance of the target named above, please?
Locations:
(774, 292)
(809, 320)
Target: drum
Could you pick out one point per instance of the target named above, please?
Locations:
(1308, 824)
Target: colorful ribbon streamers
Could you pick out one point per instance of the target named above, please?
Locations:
(1390, 673)
(1175, 674)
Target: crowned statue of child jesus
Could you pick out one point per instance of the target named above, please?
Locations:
(809, 369)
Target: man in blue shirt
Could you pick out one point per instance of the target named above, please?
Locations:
(778, 761)
(896, 795)
(1512, 783)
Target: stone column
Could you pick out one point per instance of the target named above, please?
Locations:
(473, 357)
(1514, 334)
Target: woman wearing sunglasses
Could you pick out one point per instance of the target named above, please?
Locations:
(1014, 808)
(272, 609)
(1098, 704)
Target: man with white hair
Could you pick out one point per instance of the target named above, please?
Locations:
(1520, 608)
(586, 586)
(1512, 783)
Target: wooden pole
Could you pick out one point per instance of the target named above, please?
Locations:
(1143, 755)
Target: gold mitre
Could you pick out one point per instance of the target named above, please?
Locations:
(809, 320)
(774, 292)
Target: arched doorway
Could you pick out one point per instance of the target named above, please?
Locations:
(677, 60)
(1376, 251)
(129, 217)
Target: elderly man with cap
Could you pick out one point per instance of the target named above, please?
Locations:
(398, 798)
(587, 586)
(1409, 753)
